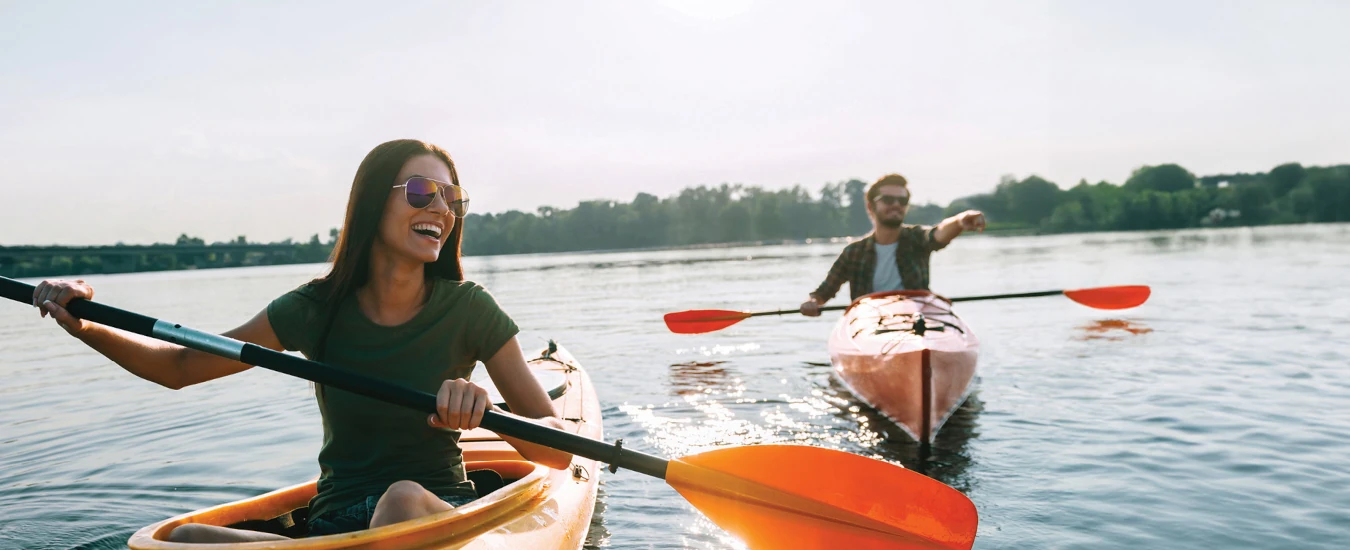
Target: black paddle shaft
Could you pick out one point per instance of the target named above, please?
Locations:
(961, 299)
(319, 373)
(1002, 296)
(792, 311)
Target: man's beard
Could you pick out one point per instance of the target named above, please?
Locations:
(891, 223)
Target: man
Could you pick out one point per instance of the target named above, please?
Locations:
(895, 255)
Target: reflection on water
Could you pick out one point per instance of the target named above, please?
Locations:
(1112, 329)
(949, 458)
(598, 532)
(710, 351)
(701, 377)
(945, 459)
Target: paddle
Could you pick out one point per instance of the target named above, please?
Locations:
(771, 496)
(699, 321)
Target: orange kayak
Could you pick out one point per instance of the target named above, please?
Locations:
(523, 505)
(907, 355)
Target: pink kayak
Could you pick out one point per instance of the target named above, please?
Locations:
(907, 355)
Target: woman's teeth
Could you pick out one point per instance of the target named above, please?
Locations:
(427, 229)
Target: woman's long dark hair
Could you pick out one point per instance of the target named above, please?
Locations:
(365, 209)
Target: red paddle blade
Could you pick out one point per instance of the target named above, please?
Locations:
(1110, 297)
(699, 321)
(792, 496)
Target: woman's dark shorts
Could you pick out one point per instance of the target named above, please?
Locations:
(357, 516)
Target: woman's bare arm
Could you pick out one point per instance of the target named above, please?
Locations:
(527, 399)
(168, 365)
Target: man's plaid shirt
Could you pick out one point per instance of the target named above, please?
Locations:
(858, 261)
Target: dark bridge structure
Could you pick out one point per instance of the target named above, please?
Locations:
(43, 261)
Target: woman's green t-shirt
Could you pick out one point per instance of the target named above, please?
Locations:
(369, 444)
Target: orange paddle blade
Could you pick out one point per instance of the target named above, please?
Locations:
(699, 321)
(1110, 297)
(791, 496)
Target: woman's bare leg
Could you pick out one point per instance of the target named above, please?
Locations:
(196, 532)
(405, 500)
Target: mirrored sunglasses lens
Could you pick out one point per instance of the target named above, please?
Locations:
(458, 199)
(420, 192)
(453, 193)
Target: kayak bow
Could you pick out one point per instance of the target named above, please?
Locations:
(907, 355)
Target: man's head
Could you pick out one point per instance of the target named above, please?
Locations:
(888, 200)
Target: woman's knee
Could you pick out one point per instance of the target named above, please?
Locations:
(404, 500)
(188, 532)
(404, 494)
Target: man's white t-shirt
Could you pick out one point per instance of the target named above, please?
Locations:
(887, 274)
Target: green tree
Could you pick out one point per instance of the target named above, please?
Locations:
(1165, 177)
(1285, 177)
(1029, 201)
(1331, 194)
(858, 221)
(1303, 202)
(924, 214)
(1068, 216)
(1254, 202)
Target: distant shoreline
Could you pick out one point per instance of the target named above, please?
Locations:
(61, 261)
(50, 261)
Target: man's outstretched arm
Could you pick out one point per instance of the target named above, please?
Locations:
(952, 227)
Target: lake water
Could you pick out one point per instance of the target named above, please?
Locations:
(1215, 416)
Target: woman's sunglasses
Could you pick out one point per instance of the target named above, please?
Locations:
(891, 200)
(421, 192)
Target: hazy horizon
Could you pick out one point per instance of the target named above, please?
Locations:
(137, 124)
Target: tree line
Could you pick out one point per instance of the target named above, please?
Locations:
(1171, 197)
(1154, 197)
(186, 252)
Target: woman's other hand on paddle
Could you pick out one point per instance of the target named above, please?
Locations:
(51, 297)
(460, 405)
(811, 308)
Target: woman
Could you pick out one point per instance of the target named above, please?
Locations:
(395, 306)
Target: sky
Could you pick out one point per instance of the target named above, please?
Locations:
(137, 121)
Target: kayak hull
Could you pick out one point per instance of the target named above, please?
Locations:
(537, 507)
(915, 374)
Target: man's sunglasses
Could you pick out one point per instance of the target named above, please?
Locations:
(892, 200)
(421, 192)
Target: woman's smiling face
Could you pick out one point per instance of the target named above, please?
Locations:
(417, 233)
